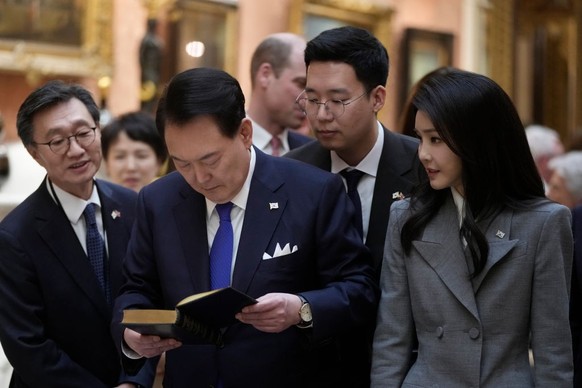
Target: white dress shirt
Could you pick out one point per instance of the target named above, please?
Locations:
(262, 139)
(237, 214)
(368, 165)
(73, 207)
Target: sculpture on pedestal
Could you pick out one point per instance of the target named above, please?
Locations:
(150, 59)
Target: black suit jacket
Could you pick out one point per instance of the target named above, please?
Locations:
(398, 171)
(54, 318)
(576, 296)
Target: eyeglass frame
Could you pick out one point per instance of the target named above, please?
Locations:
(68, 139)
(344, 103)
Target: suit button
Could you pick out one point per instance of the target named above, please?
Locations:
(474, 333)
(440, 331)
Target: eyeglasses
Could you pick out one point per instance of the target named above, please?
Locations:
(335, 107)
(60, 145)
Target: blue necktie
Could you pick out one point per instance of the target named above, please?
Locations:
(352, 178)
(96, 248)
(221, 251)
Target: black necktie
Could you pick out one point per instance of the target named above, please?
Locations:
(352, 178)
(95, 248)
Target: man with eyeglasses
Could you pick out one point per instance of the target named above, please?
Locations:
(347, 70)
(61, 251)
(231, 215)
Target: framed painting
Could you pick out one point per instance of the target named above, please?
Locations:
(56, 37)
(422, 52)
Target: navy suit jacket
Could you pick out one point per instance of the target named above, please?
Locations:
(576, 296)
(54, 318)
(168, 260)
(297, 139)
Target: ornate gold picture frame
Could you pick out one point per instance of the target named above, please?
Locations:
(310, 17)
(56, 37)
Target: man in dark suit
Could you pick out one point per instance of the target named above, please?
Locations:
(293, 246)
(347, 70)
(277, 78)
(576, 296)
(61, 251)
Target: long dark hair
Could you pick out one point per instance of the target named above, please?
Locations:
(479, 123)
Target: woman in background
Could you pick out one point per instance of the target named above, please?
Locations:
(477, 260)
(133, 150)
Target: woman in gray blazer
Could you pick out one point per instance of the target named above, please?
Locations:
(477, 262)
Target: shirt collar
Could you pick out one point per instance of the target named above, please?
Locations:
(240, 199)
(369, 164)
(459, 204)
(73, 206)
(262, 138)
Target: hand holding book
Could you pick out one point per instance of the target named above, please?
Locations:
(196, 319)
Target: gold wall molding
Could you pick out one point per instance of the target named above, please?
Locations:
(364, 13)
(92, 58)
(500, 17)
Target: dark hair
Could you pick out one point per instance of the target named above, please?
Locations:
(139, 126)
(355, 46)
(47, 96)
(202, 92)
(274, 51)
(408, 113)
(478, 121)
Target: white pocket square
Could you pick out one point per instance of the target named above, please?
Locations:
(287, 250)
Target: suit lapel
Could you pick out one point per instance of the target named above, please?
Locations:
(117, 236)
(395, 163)
(257, 231)
(497, 234)
(58, 234)
(190, 216)
(442, 249)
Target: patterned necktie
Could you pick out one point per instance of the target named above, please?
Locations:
(96, 248)
(275, 146)
(352, 178)
(221, 251)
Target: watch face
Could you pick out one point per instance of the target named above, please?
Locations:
(305, 313)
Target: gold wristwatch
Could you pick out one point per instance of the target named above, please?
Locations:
(305, 314)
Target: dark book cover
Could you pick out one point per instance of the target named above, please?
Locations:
(197, 319)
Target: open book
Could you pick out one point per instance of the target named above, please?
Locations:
(196, 319)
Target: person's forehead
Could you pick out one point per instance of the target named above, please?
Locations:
(62, 116)
(328, 75)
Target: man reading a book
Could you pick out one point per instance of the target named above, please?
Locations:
(278, 230)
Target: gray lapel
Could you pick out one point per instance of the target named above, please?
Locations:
(500, 244)
(442, 249)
